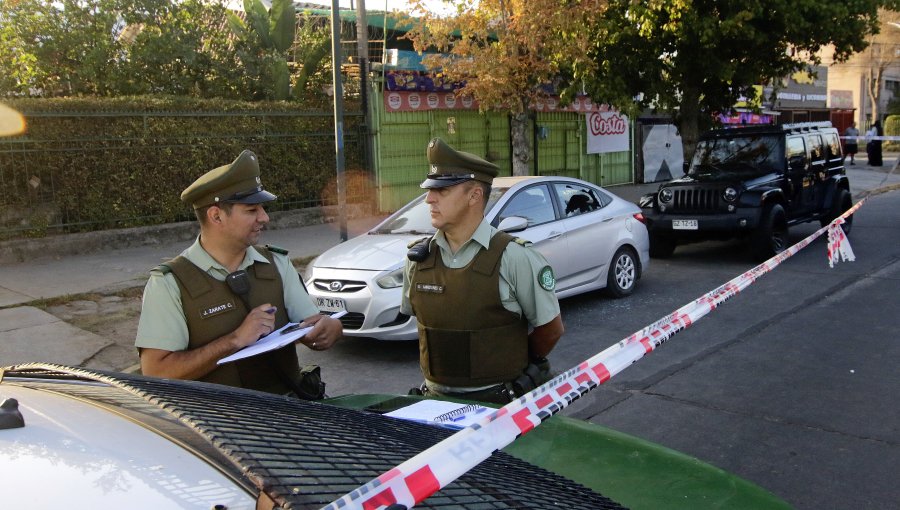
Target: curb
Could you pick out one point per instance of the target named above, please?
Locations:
(21, 250)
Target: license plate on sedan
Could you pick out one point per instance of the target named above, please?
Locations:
(684, 224)
(330, 304)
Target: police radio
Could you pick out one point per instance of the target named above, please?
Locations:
(418, 250)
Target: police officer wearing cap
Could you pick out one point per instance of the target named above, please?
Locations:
(484, 301)
(195, 308)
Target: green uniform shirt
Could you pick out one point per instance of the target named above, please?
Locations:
(162, 324)
(519, 268)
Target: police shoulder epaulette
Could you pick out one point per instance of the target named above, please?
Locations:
(523, 242)
(162, 268)
(276, 249)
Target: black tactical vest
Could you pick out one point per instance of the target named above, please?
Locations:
(466, 337)
(212, 310)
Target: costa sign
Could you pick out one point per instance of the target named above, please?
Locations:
(615, 124)
(607, 132)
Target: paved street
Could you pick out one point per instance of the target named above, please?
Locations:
(789, 384)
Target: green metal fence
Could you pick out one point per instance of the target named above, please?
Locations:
(78, 171)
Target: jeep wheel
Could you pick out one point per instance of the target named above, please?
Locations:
(771, 236)
(842, 202)
(661, 246)
(623, 273)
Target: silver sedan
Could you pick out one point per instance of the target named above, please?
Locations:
(592, 238)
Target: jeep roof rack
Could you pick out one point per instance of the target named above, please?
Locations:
(807, 126)
(746, 129)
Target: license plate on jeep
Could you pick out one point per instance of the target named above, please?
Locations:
(684, 224)
(330, 304)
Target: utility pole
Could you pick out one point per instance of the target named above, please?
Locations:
(338, 116)
(362, 53)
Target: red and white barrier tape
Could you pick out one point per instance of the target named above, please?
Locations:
(426, 473)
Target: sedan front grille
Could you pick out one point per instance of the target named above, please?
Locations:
(339, 285)
(695, 200)
(353, 320)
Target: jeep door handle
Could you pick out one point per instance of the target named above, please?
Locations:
(554, 235)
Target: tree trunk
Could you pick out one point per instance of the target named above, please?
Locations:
(521, 149)
(689, 122)
(875, 90)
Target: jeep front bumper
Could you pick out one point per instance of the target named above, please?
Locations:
(702, 225)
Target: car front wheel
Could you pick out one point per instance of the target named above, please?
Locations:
(623, 273)
(771, 236)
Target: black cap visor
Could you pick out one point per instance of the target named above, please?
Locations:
(250, 197)
(443, 181)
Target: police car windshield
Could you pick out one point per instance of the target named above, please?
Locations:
(739, 154)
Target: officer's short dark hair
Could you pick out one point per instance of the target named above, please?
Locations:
(201, 213)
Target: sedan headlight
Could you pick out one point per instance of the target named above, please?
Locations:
(391, 280)
(730, 194)
(665, 195)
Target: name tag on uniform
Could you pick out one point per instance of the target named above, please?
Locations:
(216, 310)
(430, 287)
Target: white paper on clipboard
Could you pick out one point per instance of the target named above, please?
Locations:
(274, 340)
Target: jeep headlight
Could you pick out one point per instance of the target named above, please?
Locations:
(665, 195)
(392, 279)
(730, 194)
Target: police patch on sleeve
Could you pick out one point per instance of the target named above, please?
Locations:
(546, 279)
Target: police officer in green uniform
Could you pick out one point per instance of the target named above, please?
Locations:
(484, 300)
(225, 292)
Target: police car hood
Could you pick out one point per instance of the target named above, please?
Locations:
(722, 174)
(369, 252)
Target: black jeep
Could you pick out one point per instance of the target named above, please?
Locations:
(751, 182)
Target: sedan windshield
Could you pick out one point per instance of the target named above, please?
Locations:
(415, 218)
(741, 155)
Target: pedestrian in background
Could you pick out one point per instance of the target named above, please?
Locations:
(873, 145)
(225, 292)
(851, 142)
(476, 291)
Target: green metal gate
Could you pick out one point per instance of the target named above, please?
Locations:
(400, 139)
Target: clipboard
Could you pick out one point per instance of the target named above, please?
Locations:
(285, 335)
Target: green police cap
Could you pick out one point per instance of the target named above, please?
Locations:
(237, 183)
(448, 167)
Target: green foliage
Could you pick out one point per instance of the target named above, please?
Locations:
(263, 43)
(179, 49)
(133, 47)
(507, 53)
(57, 48)
(892, 128)
(693, 58)
(313, 53)
(115, 47)
(102, 163)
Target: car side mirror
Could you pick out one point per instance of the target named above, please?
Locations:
(513, 224)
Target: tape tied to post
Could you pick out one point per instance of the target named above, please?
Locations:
(426, 473)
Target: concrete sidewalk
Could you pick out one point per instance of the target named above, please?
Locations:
(28, 333)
